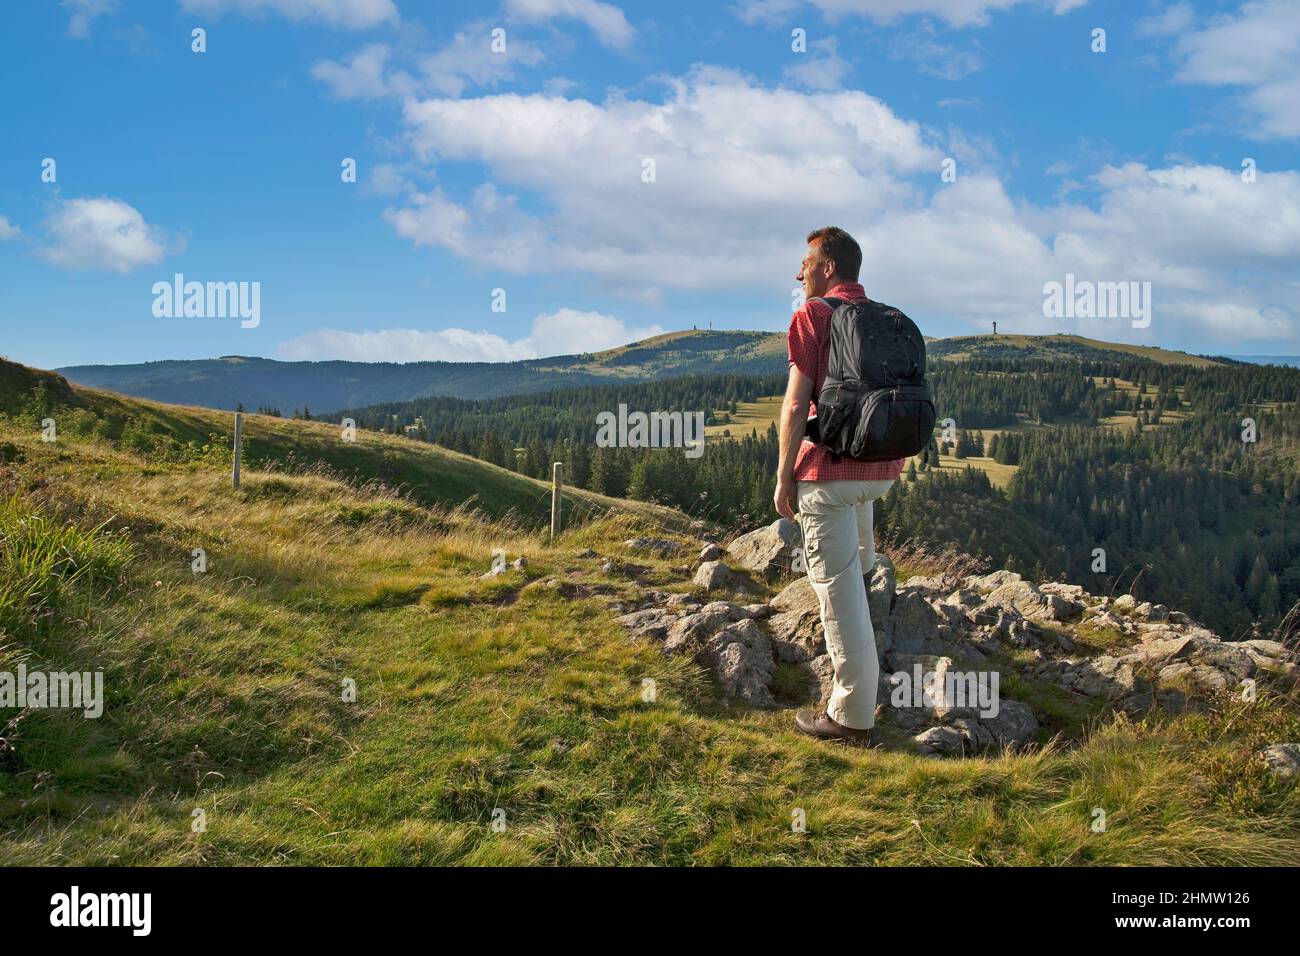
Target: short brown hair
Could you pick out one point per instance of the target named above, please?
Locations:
(841, 248)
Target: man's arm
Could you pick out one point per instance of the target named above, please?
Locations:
(794, 416)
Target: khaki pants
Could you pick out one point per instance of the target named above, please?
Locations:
(839, 546)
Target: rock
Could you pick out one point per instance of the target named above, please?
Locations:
(741, 658)
(1014, 725)
(770, 551)
(881, 590)
(1125, 602)
(914, 623)
(798, 617)
(682, 601)
(990, 582)
(1106, 677)
(1267, 649)
(659, 546)
(931, 670)
(587, 553)
(689, 632)
(1282, 760)
(608, 566)
(716, 576)
(1034, 604)
(940, 740)
(734, 612)
(823, 670)
(711, 552)
(932, 583)
(760, 612)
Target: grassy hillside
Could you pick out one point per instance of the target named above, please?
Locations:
(184, 436)
(515, 698)
(1058, 347)
(326, 387)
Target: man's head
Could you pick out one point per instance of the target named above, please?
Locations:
(832, 257)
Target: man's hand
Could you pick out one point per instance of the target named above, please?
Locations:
(786, 498)
(794, 414)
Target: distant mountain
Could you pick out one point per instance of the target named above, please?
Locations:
(1059, 347)
(325, 387)
(1291, 360)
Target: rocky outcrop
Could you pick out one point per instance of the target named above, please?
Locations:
(716, 576)
(769, 552)
(944, 643)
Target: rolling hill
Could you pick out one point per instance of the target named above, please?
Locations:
(428, 475)
(325, 387)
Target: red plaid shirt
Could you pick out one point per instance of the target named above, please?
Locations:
(810, 347)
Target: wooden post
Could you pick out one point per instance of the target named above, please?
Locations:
(557, 485)
(239, 444)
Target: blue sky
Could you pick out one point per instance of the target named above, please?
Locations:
(525, 170)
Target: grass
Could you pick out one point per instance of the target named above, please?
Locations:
(503, 699)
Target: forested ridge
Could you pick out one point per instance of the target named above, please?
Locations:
(1185, 511)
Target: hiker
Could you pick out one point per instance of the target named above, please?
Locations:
(835, 464)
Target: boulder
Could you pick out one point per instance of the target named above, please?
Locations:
(1014, 725)
(688, 633)
(990, 582)
(716, 576)
(1282, 760)
(1033, 603)
(823, 671)
(914, 623)
(711, 552)
(769, 551)
(940, 740)
(650, 623)
(740, 656)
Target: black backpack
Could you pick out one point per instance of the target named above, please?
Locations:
(874, 404)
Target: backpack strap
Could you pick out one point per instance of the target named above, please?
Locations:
(812, 428)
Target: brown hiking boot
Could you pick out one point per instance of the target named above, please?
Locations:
(818, 723)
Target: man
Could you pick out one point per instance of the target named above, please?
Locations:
(833, 497)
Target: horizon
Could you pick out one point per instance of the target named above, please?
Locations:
(1254, 358)
(379, 182)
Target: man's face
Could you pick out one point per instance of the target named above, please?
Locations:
(815, 273)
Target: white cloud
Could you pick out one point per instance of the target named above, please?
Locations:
(563, 332)
(343, 14)
(1172, 20)
(101, 233)
(958, 13)
(929, 56)
(84, 13)
(604, 19)
(467, 60)
(738, 170)
(8, 230)
(361, 77)
(1257, 49)
(743, 172)
(822, 68)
